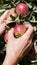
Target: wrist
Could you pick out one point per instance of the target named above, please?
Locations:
(9, 61)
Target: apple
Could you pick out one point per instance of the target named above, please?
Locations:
(22, 8)
(19, 30)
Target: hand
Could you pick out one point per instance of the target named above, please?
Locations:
(2, 22)
(6, 14)
(3, 16)
(17, 47)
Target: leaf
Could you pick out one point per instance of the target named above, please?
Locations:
(26, 22)
(29, 5)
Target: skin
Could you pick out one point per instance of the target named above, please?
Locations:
(2, 18)
(5, 16)
(2, 22)
(15, 48)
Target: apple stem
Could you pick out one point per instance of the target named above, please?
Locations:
(20, 17)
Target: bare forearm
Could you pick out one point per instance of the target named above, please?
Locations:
(9, 61)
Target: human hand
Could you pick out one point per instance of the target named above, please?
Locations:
(3, 16)
(3, 22)
(17, 47)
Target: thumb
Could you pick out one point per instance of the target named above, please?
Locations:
(11, 34)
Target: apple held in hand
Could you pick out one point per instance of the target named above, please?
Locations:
(19, 30)
(22, 8)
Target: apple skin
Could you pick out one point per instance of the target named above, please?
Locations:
(22, 8)
(19, 30)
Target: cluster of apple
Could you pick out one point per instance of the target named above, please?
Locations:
(19, 29)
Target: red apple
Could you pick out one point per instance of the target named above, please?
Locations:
(22, 8)
(19, 30)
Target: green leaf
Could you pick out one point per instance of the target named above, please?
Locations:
(26, 22)
(29, 5)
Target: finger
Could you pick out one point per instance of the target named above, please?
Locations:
(26, 36)
(28, 25)
(11, 34)
(9, 19)
(2, 18)
(26, 48)
(29, 46)
(24, 39)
